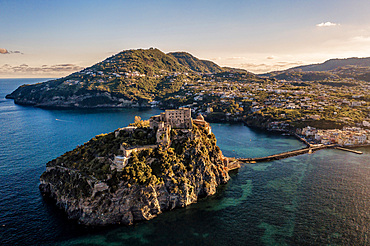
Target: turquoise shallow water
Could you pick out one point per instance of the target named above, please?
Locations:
(318, 199)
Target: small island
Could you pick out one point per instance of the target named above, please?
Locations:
(137, 172)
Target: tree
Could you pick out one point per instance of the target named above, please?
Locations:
(138, 122)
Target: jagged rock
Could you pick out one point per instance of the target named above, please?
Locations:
(118, 199)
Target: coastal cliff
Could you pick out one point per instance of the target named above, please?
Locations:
(95, 188)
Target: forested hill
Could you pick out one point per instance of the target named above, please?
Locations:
(149, 62)
(129, 78)
(193, 63)
(343, 70)
(334, 64)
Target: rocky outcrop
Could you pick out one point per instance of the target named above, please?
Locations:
(153, 181)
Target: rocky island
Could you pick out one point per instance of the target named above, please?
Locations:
(137, 172)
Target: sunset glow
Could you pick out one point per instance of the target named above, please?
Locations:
(55, 38)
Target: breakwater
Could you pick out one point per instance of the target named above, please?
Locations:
(234, 163)
(350, 150)
(287, 154)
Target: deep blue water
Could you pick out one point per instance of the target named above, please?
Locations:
(318, 199)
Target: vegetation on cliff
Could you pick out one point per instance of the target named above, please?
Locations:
(87, 185)
(196, 65)
(94, 158)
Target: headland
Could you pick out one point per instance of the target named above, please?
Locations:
(137, 172)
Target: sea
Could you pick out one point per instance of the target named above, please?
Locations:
(313, 199)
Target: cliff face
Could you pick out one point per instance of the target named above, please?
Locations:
(86, 184)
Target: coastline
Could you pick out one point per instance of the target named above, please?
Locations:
(43, 223)
(254, 123)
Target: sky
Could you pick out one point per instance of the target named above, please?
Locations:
(55, 38)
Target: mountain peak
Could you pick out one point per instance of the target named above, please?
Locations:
(131, 77)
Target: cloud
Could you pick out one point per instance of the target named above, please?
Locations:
(288, 63)
(235, 58)
(5, 51)
(253, 65)
(42, 70)
(360, 39)
(327, 24)
(263, 68)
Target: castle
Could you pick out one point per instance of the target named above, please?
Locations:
(163, 123)
(175, 118)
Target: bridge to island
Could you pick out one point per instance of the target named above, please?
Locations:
(234, 163)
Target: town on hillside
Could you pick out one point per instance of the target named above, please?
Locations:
(285, 101)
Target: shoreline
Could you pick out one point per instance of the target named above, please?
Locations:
(355, 146)
(210, 120)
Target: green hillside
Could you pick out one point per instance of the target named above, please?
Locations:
(132, 78)
(335, 63)
(331, 70)
(291, 75)
(193, 63)
(136, 76)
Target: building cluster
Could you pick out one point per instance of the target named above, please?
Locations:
(284, 100)
(231, 96)
(300, 101)
(99, 74)
(346, 137)
(120, 71)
